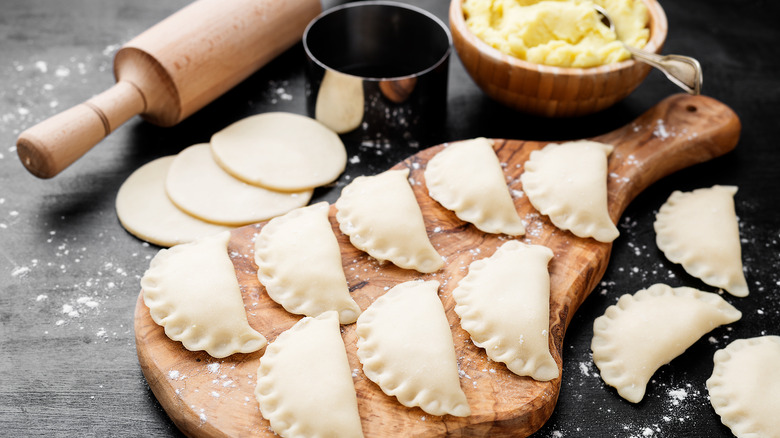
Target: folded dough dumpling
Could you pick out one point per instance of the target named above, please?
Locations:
(568, 183)
(699, 230)
(646, 330)
(299, 263)
(192, 291)
(381, 216)
(744, 387)
(304, 383)
(504, 304)
(466, 177)
(405, 345)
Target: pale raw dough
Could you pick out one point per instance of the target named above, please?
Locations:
(504, 304)
(405, 345)
(568, 183)
(381, 216)
(192, 291)
(646, 330)
(280, 151)
(744, 387)
(699, 230)
(466, 177)
(299, 263)
(145, 211)
(340, 102)
(197, 185)
(304, 383)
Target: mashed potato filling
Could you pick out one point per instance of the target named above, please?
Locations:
(563, 33)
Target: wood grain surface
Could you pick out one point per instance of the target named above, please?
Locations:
(207, 397)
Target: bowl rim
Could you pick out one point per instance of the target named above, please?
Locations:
(658, 30)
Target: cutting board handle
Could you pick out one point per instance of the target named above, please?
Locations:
(52, 145)
(680, 131)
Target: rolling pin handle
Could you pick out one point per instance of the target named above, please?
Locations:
(52, 145)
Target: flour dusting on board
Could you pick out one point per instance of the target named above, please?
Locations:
(228, 383)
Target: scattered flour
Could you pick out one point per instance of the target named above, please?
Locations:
(20, 271)
(62, 72)
(277, 91)
(660, 130)
(110, 50)
(678, 395)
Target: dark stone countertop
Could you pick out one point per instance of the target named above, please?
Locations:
(69, 273)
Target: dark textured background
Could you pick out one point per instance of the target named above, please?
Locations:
(69, 273)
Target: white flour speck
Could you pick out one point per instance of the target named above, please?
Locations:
(70, 311)
(660, 130)
(20, 271)
(678, 395)
(585, 368)
(110, 49)
(87, 301)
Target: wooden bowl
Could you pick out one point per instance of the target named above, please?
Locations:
(546, 90)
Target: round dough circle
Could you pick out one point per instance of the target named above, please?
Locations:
(145, 211)
(197, 185)
(280, 151)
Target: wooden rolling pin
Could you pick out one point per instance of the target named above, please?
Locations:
(170, 71)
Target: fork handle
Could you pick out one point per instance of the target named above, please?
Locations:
(682, 70)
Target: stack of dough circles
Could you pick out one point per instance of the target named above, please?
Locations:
(200, 187)
(280, 151)
(145, 211)
(255, 169)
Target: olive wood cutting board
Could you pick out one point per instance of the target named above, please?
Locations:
(208, 397)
